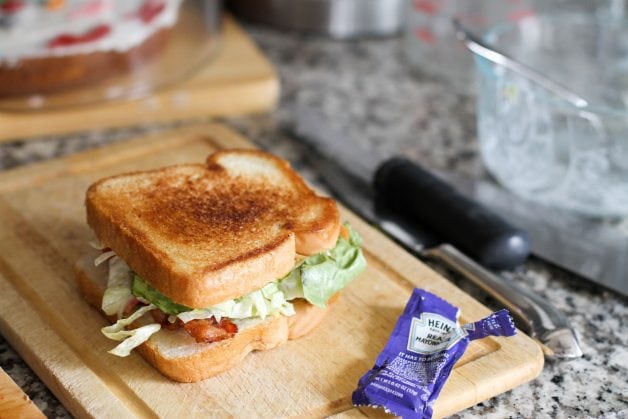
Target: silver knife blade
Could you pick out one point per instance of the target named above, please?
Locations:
(587, 247)
(359, 162)
(338, 169)
(592, 248)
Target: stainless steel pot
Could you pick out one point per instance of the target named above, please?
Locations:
(340, 19)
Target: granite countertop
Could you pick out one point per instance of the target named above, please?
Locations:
(368, 91)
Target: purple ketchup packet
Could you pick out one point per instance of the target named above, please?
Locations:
(424, 346)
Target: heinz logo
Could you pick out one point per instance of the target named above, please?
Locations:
(439, 325)
(432, 333)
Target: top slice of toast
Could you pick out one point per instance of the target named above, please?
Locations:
(203, 234)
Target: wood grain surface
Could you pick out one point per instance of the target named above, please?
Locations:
(239, 80)
(14, 403)
(43, 232)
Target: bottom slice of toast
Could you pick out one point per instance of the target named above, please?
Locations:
(179, 357)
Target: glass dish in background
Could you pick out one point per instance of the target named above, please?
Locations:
(81, 52)
(430, 44)
(542, 147)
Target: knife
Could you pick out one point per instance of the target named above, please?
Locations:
(402, 198)
(592, 248)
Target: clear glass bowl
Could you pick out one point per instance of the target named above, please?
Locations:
(63, 53)
(542, 147)
(430, 43)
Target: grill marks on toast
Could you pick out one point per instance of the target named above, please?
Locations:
(197, 211)
(202, 234)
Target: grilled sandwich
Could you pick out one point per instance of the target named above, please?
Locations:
(197, 265)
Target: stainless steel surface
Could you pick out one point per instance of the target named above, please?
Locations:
(355, 159)
(595, 249)
(347, 169)
(479, 47)
(546, 324)
(337, 18)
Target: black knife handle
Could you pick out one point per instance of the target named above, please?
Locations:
(458, 220)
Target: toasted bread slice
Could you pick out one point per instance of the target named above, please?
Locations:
(177, 355)
(203, 234)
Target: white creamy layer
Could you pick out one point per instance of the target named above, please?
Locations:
(33, 27)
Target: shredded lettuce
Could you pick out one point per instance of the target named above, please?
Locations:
(134, 339)
(291, 285)
(110, 330)
(324, 274)
(130, 338)
(267, 301)
(95, 244)
(317, 278)
(118, 292)
(104, 257)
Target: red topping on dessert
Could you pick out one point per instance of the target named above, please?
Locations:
(91, 8)
(64, 40)
(150, 9)
(11, 6)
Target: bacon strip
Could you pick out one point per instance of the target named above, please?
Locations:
(130, 306)
(209, 330)
(161, 318)
(202, 330)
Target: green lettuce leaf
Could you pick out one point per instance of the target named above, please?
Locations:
(150, 294)
(324, 274)
(317, 279)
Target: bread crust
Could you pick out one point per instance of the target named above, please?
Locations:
(197, 361)
(203, 234)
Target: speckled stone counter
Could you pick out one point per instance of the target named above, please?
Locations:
(368, 91)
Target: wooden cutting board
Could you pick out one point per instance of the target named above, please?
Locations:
(238, 80)
(43, 232)
(13, 402)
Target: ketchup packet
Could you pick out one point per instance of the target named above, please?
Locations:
(424, 346)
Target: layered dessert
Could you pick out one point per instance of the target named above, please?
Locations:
(49, 45)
